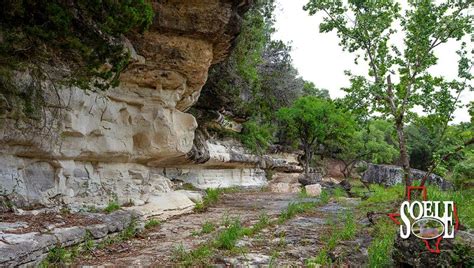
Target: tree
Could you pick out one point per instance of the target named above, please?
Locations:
(399, 75)
(310, 89)
(315, 122)
(372, 143)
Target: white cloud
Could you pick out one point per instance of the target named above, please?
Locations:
(320, 59)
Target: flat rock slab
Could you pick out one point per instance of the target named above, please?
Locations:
(295, 240)
(31, 247)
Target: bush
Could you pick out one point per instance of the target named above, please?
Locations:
(256, 137)
(463, 173)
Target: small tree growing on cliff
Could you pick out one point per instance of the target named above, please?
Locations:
(399, 76)
(315, 122)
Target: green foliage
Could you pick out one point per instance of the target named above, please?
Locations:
(339, 192)
(57, 256)
(464, 200)
(256, 137)
(212, 197)
(315, 122)
(382, 199)
(373, 142)
(399, 76)
(310, 89)
(208, 227)
(152, 223)
(229, 237)
(429, 138)
(263, 222)
(112, 206)
(381, 246)
(322, 258)
(294, 209)
(80, 35)
(337, 234)
(201, 256)
(463, 172)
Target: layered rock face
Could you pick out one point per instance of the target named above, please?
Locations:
(389, 175)
(118, 144)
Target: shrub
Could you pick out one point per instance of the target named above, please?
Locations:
(152, 223)
(256, 137)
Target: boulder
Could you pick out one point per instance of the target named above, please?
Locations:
(412, 252)
(313, 189)
(283, 187)
(311, 178)
(389, 175)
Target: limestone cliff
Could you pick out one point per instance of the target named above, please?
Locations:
(109, 143)
(128, 142)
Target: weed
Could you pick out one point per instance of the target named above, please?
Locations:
(303, 193)
(381, 247)
(212, 196)
(324, 197)
(112, 206)
(208, 227)
(295, 208)
(152, 223)
(199, 256)
(58, 256)
(273, 259)
(228, 238)
(349, 230)
(339, 192)
(321, 259)
(263, 221)
(199, 207)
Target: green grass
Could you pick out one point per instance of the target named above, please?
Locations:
(60, 256)
(463, 199)
(295, 208)
(200, 256)
(324, 197)
(152, 223)
(382, 199)
(303, 193)
(211, 197)
(112, 206)
(339, 192)
(229, 237)
(206, 228)
(337, 234)
(381, 247)
(321, 259)
(263, 221)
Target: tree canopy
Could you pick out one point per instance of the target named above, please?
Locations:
(315, 122)
(399, 77)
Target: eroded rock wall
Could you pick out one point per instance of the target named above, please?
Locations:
(115, 144)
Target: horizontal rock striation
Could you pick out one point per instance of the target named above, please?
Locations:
(389, 175)
(116, 144)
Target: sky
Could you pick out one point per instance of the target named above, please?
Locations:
(320, 59)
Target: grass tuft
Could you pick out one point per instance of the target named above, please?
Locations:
(112, 206)
(152, 223)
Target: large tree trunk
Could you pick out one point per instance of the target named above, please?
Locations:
(403, 152)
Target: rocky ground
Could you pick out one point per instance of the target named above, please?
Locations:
(288, 243)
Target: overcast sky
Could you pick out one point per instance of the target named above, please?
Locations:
(319, 59)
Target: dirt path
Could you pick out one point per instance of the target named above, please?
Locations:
(289, 243)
